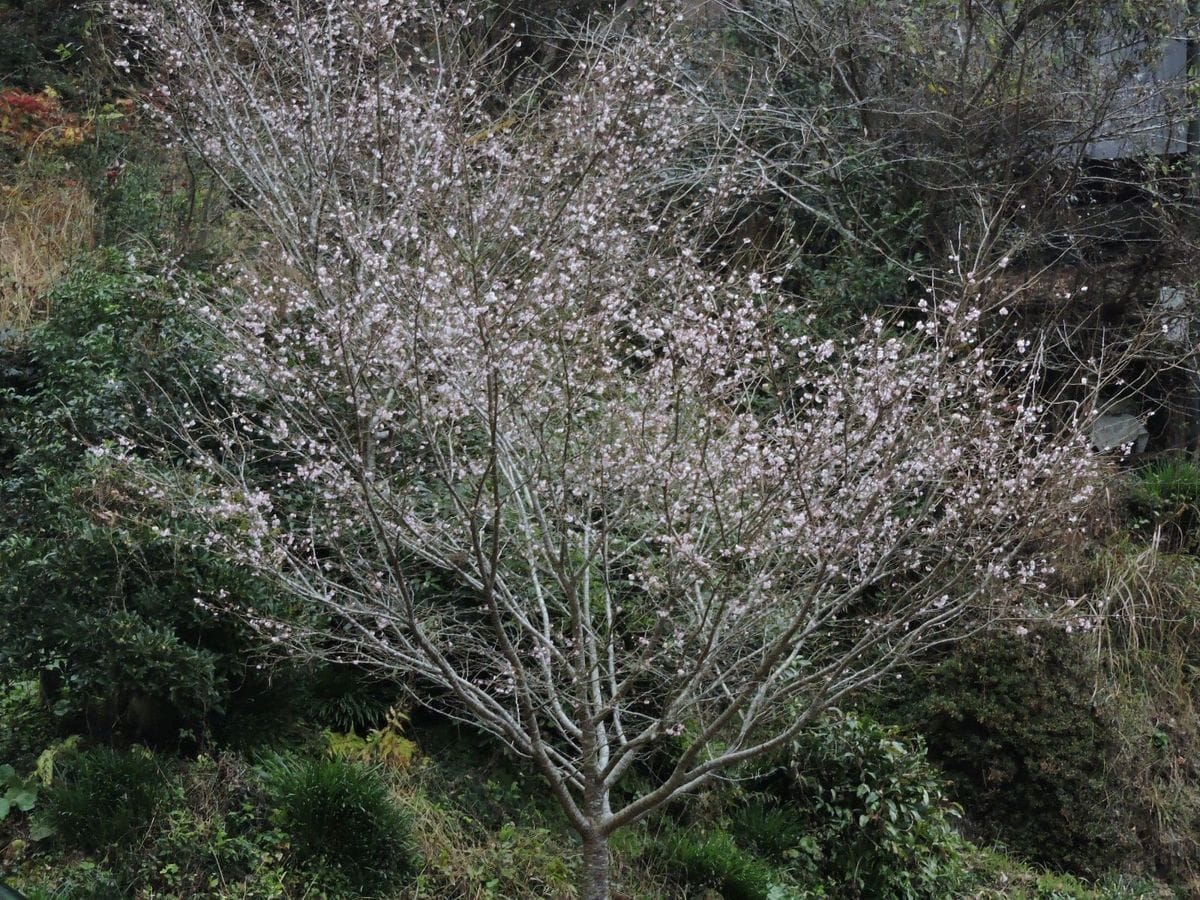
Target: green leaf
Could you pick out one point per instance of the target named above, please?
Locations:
(23, 798)
(40, 829)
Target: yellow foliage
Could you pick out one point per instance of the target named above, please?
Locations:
(387, 746)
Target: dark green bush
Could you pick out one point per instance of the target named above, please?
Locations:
(344, 698)
(1011, 721)
(148, 197)
(41, 42)
(98, 583)
(26, 728)
(98, 589)
(849, 811)
(210, 835)
(106, 799)
(341, 820)
(775, 831)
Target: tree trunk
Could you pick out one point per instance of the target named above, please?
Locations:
(594, 885)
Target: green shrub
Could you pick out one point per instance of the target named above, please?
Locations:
(773, 830)
(211, 836)
(42, 43)
(877, 811)
(25, 725)
(523, 858)
(341, 820)
(214, 830)
(1011, 721)
(98, 591)
(849, 810)
(149, 197)
(344, 698)
(713, 859)
(106, 799)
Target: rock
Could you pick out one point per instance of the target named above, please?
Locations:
(1115, 430)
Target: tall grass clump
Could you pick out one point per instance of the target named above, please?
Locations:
(106, 799)
(713, 859)
(342, 821)
(1166, 500)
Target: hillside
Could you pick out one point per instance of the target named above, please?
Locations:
(512, 449)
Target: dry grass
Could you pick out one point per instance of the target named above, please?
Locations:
(463, 860)
(43, 224)
(1149, 603)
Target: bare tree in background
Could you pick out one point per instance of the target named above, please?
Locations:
(887, 147)
(597, 492)
(937, 104)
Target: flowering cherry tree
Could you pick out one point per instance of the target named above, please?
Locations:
(597, 491)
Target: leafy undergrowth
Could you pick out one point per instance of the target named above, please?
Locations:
(426, 810)
(1077, 749)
